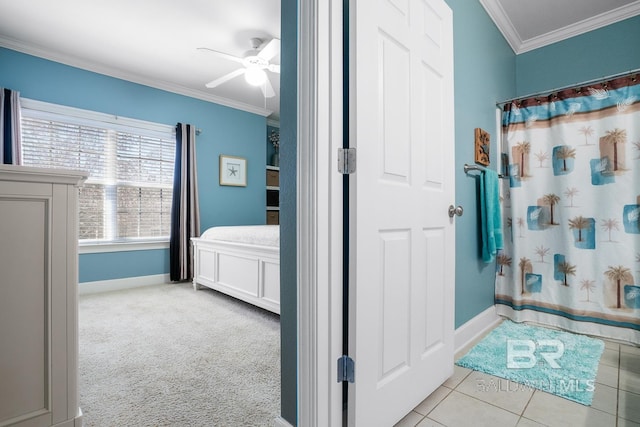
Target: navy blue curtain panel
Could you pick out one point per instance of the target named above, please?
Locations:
(10, 127)
(185, 213)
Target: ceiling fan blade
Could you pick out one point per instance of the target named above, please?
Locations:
(221, 54)
(267, 89)
(225, 78)
(274, 68)
(270, 50)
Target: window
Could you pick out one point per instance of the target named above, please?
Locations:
(127, 197)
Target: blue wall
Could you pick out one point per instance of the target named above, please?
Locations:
(224, 131)
(484, 72)
(609, 50)
(487, 71)
(118, 265)
(484, 67)
(288, 212)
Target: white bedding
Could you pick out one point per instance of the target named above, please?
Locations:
(261, 235)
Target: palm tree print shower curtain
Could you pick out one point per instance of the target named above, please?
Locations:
(573, 197)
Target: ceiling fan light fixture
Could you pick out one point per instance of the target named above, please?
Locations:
(255, 76)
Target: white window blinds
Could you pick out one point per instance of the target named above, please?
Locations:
(127, 196)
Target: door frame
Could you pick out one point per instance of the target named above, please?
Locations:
(319, 212)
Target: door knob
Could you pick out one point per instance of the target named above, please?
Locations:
(455, 211)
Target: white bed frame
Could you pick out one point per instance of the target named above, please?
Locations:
(245, 271)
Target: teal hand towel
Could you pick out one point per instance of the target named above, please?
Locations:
(490, 216)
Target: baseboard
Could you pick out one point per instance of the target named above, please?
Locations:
(119, 284)
(74, 422)
(475, 327)
(78, 421)
(281, 422)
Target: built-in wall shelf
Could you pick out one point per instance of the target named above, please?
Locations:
(273, 194)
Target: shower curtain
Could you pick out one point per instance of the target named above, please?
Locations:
(571, 210)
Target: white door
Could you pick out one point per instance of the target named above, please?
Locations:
(402, 239)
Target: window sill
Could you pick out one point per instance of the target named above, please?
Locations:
(95, 248)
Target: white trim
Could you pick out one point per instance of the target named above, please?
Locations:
(98, 248)
(78, 421)
(475, 327)
(306, 197)
(49, 108)
(100, 286)
(130, 77)
(581, 27)
(281, 422)
(36, 174)
(319, 212)
(500, 18)
(74, 422)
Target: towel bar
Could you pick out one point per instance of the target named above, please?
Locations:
(468, 168)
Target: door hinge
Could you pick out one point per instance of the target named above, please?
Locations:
(346, 160)
(346, 369)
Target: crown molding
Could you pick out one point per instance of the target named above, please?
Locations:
(593, 23)
(130, 77)
(501, 19)
(504, 24)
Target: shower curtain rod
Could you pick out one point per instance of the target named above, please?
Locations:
(587, 82)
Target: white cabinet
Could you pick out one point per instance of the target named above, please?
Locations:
(38, 297)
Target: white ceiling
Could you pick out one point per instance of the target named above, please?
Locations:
(530, 24)
(154, 42)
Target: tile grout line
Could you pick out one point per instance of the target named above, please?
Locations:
(457, 388)
(527, 405)
(489, 403)
(492, 404)
(442, 400)
(427, 414)
(438, 404)
(618, 388)
(528, 402)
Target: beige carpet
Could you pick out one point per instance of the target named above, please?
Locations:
(170, 356)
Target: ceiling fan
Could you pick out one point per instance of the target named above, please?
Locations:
(254, 65)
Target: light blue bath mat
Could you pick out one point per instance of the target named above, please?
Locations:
(557, 362)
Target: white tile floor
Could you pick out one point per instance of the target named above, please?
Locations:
(463, 400)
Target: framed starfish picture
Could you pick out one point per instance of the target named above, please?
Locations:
(233, 171)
